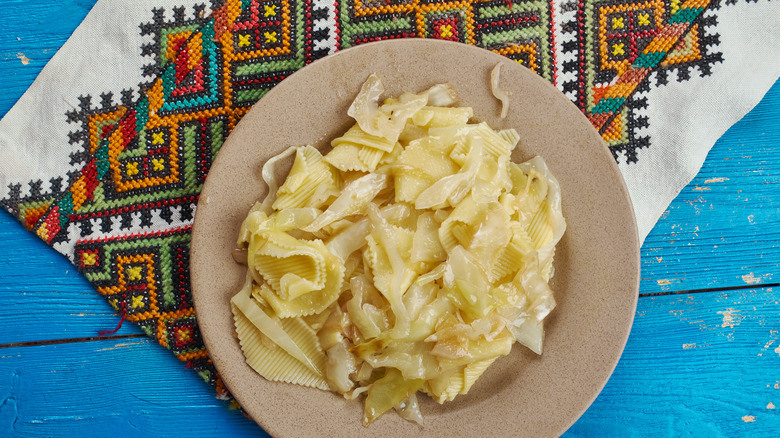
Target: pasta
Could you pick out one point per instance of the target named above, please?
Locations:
(407, 259)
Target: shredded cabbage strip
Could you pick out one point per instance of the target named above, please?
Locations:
(407, 259)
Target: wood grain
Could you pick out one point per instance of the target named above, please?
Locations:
(698, 364)
(130, 388)
(693, 364)
(42, 296)
(703, 364)
(723, 228)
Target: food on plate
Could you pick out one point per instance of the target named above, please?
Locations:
(406, 259)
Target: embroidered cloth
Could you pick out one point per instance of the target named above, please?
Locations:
(105, 155)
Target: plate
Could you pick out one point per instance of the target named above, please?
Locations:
(597, 261)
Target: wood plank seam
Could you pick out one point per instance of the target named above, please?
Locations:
(710, 289)
(71, 340)
(139, 335)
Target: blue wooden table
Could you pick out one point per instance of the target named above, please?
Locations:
(703, 358)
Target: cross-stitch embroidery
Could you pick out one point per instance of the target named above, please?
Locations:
(125, 217)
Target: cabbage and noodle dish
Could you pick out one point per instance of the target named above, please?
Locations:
(405, 260)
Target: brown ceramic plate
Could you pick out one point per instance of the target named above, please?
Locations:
(597, 261)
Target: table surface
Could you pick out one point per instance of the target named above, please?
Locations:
(703, 357)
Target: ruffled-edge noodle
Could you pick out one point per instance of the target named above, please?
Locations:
(406, 259)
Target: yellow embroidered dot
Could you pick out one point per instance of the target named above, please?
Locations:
(134, 272)
(132, 169)
(138, 301)
(158, 138)
(88, 258)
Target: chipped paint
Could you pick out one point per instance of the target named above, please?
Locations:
(25, 60)
(728, 317)
(770, 405)
(700, 189)
(712, 180)
(663, 282)
(693, 345)
(698, 200)
(751, 219)
(766, 346)
(749, 418)
(751, 278)
(777, 350)
(123, 345)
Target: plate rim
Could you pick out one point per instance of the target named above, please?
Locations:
(622, 188)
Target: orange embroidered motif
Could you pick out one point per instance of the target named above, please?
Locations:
(688, 49)
(43, 232)
(619, 32)
(524, 54)
(130, 269)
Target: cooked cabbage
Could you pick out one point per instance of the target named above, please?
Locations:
(407, 259)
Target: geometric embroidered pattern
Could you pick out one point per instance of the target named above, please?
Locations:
(125, 217)
(615, 45)
(520, 30)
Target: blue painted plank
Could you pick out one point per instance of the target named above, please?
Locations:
(723, 228)
(109, 388)
(42, 296)
(683, 371)
(703, 364)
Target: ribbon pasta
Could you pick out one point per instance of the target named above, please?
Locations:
(407, 259)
